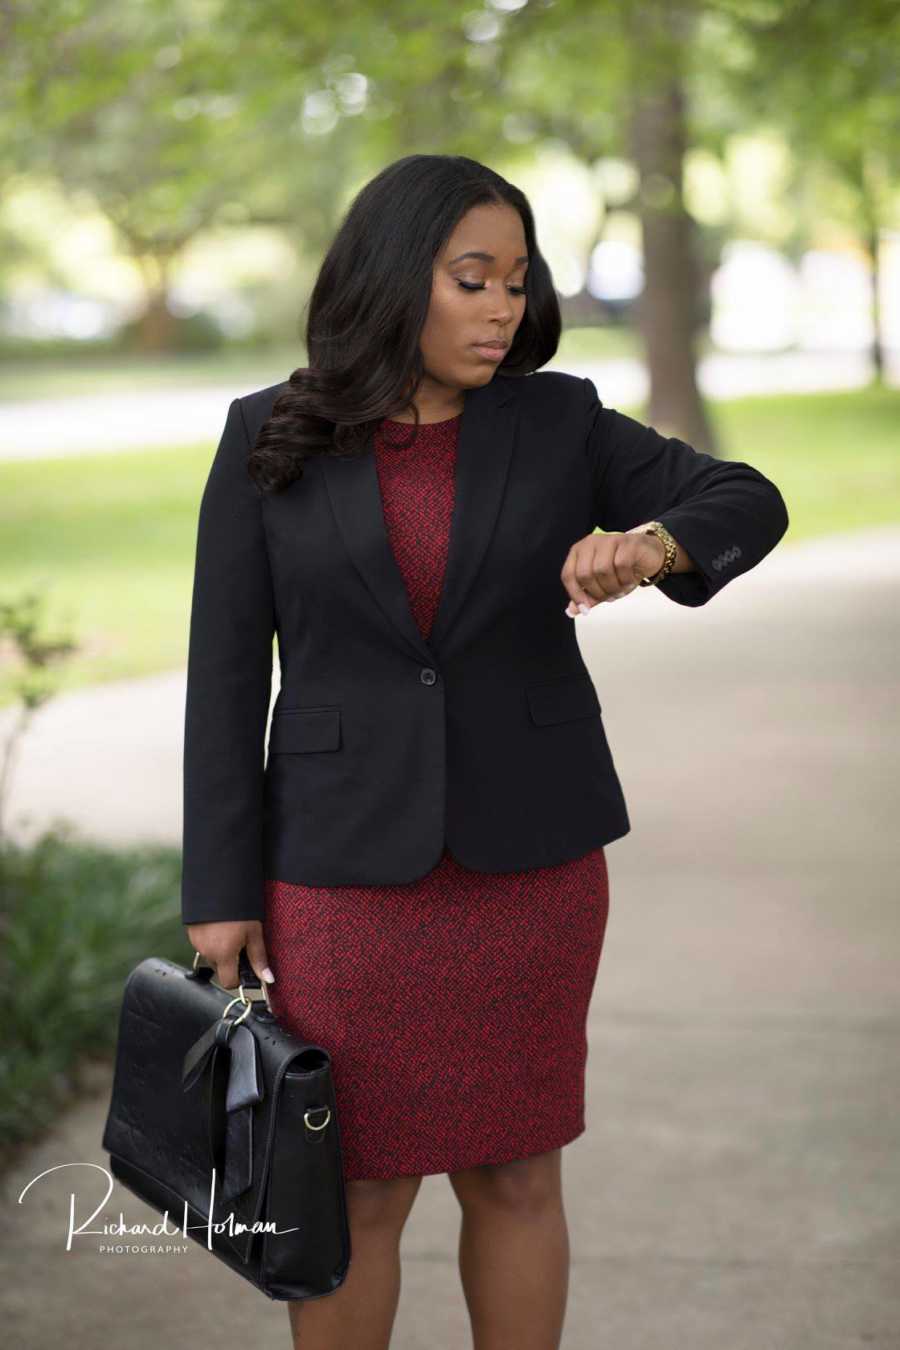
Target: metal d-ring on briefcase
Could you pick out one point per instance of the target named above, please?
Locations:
(225, 1122)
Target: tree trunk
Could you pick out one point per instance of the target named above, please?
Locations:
(871, 226)
(666, 309)
(156, 325)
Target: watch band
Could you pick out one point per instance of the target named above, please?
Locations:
(671, 547)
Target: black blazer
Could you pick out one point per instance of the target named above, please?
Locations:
(383, 745)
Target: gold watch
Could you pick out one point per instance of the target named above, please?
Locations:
(671, 547)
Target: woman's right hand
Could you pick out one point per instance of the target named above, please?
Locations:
(220, 944)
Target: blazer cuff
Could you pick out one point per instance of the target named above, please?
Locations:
(692, 588)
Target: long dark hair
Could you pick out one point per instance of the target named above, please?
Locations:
(369, 305)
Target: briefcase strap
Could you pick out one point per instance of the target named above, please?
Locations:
(232, 1096)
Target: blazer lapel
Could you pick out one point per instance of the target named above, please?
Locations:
(483, 454)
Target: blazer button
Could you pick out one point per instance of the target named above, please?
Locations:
(427, 675)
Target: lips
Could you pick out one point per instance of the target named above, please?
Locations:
(494, 343)
(493, 352)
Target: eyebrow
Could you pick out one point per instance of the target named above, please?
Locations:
(485, 257)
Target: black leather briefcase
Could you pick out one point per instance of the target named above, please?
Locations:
(227, 1124)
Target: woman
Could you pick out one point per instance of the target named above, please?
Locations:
(420, 861)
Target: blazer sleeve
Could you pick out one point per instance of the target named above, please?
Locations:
(724, 513)
(229, 681)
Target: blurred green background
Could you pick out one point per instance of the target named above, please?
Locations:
(717, 190)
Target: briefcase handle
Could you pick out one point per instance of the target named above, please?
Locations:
(251, 989)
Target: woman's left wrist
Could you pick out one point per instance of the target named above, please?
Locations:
(669, 548)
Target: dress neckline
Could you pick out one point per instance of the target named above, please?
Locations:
(394, 422)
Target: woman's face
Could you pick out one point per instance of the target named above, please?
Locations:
(475, 299)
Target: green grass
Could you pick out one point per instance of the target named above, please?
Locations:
(109, 540)
(835, 456)
(111, 536)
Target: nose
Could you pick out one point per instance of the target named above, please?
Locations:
(500, 321)
(501, 311)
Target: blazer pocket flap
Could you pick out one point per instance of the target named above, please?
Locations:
(295, 730)
(563, 700)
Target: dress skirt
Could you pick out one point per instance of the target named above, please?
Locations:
(454, 1007)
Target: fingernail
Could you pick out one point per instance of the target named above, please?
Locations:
(585, 609)
(568, 611)
(268, 976)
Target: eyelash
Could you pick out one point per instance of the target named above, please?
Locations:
(516, 290)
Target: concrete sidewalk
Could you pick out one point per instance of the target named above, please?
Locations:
(738, 1185)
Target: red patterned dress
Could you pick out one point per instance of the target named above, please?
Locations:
(455, 1006)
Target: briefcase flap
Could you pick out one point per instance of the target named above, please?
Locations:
(162, 1131)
